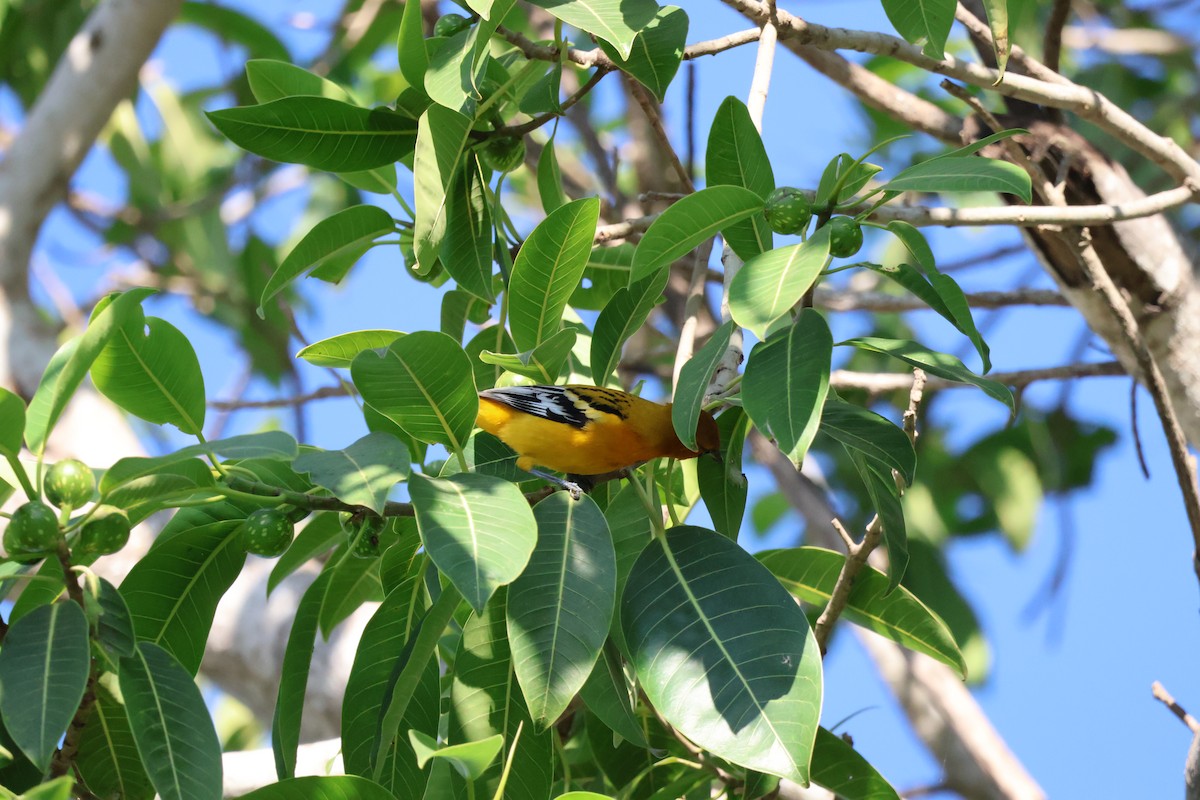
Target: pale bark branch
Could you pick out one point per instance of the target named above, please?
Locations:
(1163, 696)
(877, 382)
(841, 300)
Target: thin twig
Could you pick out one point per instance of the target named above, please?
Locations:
(549, 116)
(877, 382)
(1052, 41)
(654, 117)
(841, 300)
(1163, 696)
(598, 58)
(323, 393)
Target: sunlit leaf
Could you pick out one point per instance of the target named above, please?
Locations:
(687, 223)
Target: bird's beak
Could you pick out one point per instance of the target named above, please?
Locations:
(715, 455)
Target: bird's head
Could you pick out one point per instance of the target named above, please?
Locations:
(708, 438)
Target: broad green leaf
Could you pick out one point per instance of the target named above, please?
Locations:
(543, 363)
(579, 795)
(549, 179)
(322, 787)
(615, 21)
(735, 155)
(362, 474)
(769, 285)
(108, 758)
(963, 175)
(723, 652)
(171, 725)
(148, 368)
(688, 223)
(352, 582)
(466, 251)
(542, 97)
(413, 57)
(459, 307)
(810, 574)
(133, 482)
(348, 234)
(470, 759)
(423, 383)
(265, 444)
(70, 364)
(235, 27)
(437, 162)
(560, 608)
(1014, 491)
(548, 269)
(838, 767)
(939, 291)
(271, 79)
(319, 132)
(61, 788)
(114, 629)
(478, 530)
(923, 22)
(339, 351)
(607, 271)
(841, 179)
(43, 672)
(380, 180)
(12, 423)
(485, 700)
(456, 68)
(885, 499)
(933, 362)
(786, 381)
(608, 695)
(722, 485)
(293, 678)
(870, 434)
(621, 318)
(656, 52)
(693, 383)
(322, 534)
(173, 590)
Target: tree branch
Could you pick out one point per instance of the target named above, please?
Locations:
(1163, 696)
(878, 382)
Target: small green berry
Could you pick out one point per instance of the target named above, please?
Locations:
(267, 532)
(363, 530)
(503, 153)
(845, 237)
(788, 210)
(69, 484)
(32, 529)
(449, 25)
(107, 531)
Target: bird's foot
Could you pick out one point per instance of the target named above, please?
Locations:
(574, 487)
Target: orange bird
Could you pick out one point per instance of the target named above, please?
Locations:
(585, 430)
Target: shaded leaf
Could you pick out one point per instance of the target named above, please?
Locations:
(543, 363)
(870, 434)
(687, 223)
(693, 382)
(769, 285)
(656, 52)
(362, 474)
(924, 22)
(339, 351)
(838, 767)
(437, 163)
(735, 155)
(293, 678)
(722, 484)
(933, 362)
(620, 319)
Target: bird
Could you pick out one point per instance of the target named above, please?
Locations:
(585, 430)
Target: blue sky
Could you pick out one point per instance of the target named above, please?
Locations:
(1072, 699)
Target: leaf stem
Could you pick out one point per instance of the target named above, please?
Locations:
(23, 476)
(653, 510)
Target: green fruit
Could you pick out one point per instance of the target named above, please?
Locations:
(363, 531)
(107, 531)
(503, 153)
(788, 210)
(450, 24)
(69, 484)
(32, 529)
(845, 237)
(487, 87)
(267, 532)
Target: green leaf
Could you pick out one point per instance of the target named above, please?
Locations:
(542, 363)
(174, 589)
(265, 444)
(456, 68)
(322, 787)
(607, 271)
(319, 132)
(485, 700)
(272, 79)
(108, 758)
(478, 530)
(114, 629)
(70, 364)
(339, 351)
(293, 678)
(608, 695)
(885, 499)
(933, 362)
(940, 292)
(547, 270)
(423, 383)
(467, 246)
(348, 235)
(736, 156)
(769, 285)
(838, 767)
(322, 533)
(810, 574)
(353, 581)
(171, 725)
(656, 52)
(845, 174)
(437, 162)
(615, 21)
(362, 474)
(148, 368)
(12, 423)
(688, 223)
(413, 57)
(61, 788)
(874, 436)
(693, 383)
(997, 14)
(560, 608)
(234, 26)
(43, 672)
(786, 381)
(925, 22)
(722, 485)
(470, 759)
(963, 175)
(723, 652)
(621, 318)
(149, 482)
(549, 179)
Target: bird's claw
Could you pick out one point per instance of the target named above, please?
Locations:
(574, 489)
